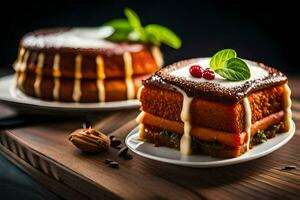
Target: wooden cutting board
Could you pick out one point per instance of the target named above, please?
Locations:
(44, 152)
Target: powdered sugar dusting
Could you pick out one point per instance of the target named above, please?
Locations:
(74, 38)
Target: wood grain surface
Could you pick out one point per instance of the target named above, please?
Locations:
(44, 152)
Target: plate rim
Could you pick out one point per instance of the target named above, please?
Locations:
(60, 106)
(211, 164)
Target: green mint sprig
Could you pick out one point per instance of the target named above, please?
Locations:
(131, 29)
(229, 66)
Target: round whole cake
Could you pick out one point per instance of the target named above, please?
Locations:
(74, 65)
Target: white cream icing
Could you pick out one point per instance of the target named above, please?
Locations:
(256, 73)
(74, 38)
(186, 140)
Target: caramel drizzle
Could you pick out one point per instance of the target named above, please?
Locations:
(185, 116)
(100, 78)
(77, 81)
(56, 74)
(287, 104)
(39, 72)
(139, 120)
(248, 119)
(16, 66)
(18, 62)
(22, 68)
(158, 57)
(128, 75)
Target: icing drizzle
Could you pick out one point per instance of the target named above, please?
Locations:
(248, 117)
(158, 57)
(77, 79)
(100, 78)
(39, 71)
(185, 142)
(56, 75)
(128, 75)
(22, 68)
(19, 59)
(287, 103)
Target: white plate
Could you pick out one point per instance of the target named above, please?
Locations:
(172, 156)
(12, 96)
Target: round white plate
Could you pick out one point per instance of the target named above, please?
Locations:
(173, 156)
(12, 96)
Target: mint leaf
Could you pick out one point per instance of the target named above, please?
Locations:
(131, 29)
(121, 29)
(133, 18)
(235, 69)
(119, 24)
(159, 34)
(218, 60)
(135, 23)
(119, 35)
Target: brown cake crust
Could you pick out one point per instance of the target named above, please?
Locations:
(210, 91)
(227, 117)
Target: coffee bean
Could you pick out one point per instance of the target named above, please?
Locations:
(115, 142)
(289, 167)
(114, 164)
(107, 161)
(123, 151)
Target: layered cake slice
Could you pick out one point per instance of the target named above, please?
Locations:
(73, 64)
(213, 115)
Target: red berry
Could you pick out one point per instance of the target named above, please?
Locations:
(209, 70)
(196, 71)
(208, 74)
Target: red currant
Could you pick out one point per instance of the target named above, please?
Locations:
(208, 74)
(209, 70)
(196, 71)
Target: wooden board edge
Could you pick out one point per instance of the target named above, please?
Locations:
(53, 185)
(49, 173)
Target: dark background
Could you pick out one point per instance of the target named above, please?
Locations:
(257, 30)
